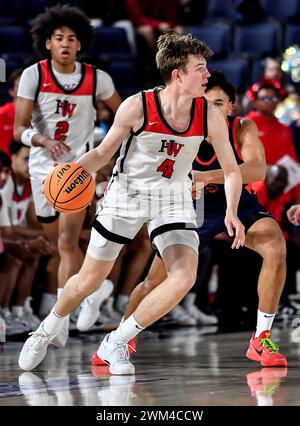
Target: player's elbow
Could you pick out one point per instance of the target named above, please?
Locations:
(17, 134)
(260, 170)
(103, 155)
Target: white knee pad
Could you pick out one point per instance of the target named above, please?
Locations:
(180, 236)
(100, 248)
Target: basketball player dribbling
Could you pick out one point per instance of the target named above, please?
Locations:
(263, 233)
(55, 116)
(161, 131)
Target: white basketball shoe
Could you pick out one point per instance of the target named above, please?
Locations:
(116, 355)
(62, 337)
(34, 349)
(90, 306)
(201, 317)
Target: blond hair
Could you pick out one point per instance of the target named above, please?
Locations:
(173, 52)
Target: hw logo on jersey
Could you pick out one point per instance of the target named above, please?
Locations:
(64, 108)
(173, 149)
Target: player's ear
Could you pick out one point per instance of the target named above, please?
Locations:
(48, 42)
(79, 46)
(176, 74)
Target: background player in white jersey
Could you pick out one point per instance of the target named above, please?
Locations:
(55, 116)
(20, 211)
(161, 130)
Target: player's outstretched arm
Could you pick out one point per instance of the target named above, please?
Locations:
(218, 132)
(254, 167)
(128, 118)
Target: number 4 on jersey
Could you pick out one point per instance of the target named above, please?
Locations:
(166, 168)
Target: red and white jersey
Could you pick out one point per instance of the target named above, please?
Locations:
(4, 220)
(157, 155)
(17, 198)
(4, 217)
(63, 112)
(67, 115)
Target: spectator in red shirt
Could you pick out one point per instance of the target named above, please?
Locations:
(271, 195)
(270, 192)
(153, 17)
(275, 136)
(272, 75)
(7, 113)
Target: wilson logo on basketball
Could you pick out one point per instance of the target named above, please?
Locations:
(62, 172)
(78, 181)
(69, 188)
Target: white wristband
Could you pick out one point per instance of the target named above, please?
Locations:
(27, 135)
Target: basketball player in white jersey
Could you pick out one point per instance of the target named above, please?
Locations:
(5, 168)
(161, 131)
(55, 116)
(20, 208)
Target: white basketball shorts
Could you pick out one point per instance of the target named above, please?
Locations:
(124, 212)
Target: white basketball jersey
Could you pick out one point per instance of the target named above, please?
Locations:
(67, 115)
(17, 198)
(157, 155)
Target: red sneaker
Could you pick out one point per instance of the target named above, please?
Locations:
(266, 381)
(100, 371)
(265, 351)
(95, 360)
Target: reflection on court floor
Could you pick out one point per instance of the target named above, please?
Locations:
(191, 367)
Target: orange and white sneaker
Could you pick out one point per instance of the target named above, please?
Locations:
(95, 360)
(263, 350)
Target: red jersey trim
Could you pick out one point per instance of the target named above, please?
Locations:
(156, 122)
(26, 190)
(141, 129)
(207, 163)
(234, 125)
(49, 84)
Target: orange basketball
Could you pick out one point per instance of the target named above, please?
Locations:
(69, 188)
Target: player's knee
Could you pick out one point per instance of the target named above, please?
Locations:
(34, 261)
(36, 257)
(67, 241)
(9, 262)
(183, 280)
(14, 262)
(276, 250)
(148, 285)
